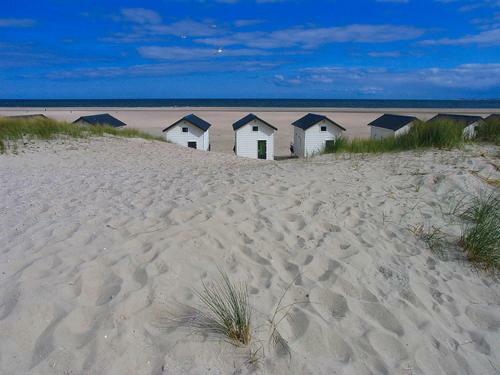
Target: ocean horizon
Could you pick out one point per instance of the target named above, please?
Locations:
(259, 103)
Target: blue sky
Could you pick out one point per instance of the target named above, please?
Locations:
(250, 49)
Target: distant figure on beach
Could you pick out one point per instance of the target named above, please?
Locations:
(292, 149)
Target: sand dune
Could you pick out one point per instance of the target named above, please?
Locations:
(101, 237)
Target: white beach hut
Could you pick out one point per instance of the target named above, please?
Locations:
(254, 138)
(469, 123)
(313, 133)
(102, 119)
(391, 126)
(190, 131)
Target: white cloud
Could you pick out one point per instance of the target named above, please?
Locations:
(141, 15)
(16, 22)
(184, 53)
(162, 69)
(315, 37)
(463, 77)
(490, 37)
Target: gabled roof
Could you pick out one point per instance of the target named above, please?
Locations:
(28, 117)
(392, 122)
(312, 119)
(463, 119)
(103, 119)
(250, 117)
(493, 116)
(193, 120)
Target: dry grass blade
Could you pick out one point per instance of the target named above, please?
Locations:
(227, 310)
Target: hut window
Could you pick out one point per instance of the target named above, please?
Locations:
(323, 128)
(255, 128)
(184, 130)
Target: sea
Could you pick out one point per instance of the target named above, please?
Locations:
(257, 103)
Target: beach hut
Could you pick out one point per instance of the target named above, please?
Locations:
(254, 138)
(102, 119)
(313, 133)
(493, 117)
(390, 126)
(469, 123)
(190, 131)
(34, 116)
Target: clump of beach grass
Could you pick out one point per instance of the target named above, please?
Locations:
(224, 312)
(13, 130)
(438, 134)
(489, 132)
(227, 310)
(481, 231)
(434, 238)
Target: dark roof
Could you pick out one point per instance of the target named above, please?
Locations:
(250, 117)
(194, 120)
(392, 122)
(493, 116)
(464, 119)
(28, 117)
(312, 119)
(103, 119)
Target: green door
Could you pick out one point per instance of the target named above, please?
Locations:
(262, 149)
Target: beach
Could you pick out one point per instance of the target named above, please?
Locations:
(103, 238)
(154, 120)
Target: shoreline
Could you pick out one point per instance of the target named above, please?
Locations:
(261, 109)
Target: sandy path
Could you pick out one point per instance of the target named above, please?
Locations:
(101, 237)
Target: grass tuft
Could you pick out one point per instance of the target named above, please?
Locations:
(489, 132)
(13, 130)
(227, 309)
(438, 134)
(481, 232)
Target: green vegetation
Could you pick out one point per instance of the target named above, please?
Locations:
(12, 130)
(227, 310)
(489, 132)
(481, 231)
(439, 134)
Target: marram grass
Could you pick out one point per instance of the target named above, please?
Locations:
(12, 130)
(438, 134)
(227, 309)
(489, 132)
(481, 231)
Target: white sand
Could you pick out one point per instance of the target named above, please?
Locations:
(154, 120)
(101, 237)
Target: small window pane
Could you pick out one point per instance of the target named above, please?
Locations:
(323, 128)
(255, 128)
(184, 130)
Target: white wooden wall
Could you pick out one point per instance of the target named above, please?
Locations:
(315, 139)
(194, 134)
(379, 133)
(246, 140)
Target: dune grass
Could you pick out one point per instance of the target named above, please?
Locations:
(227, 309)
(481, 231)
(489, 132)
(12, 130)
(439, 134)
